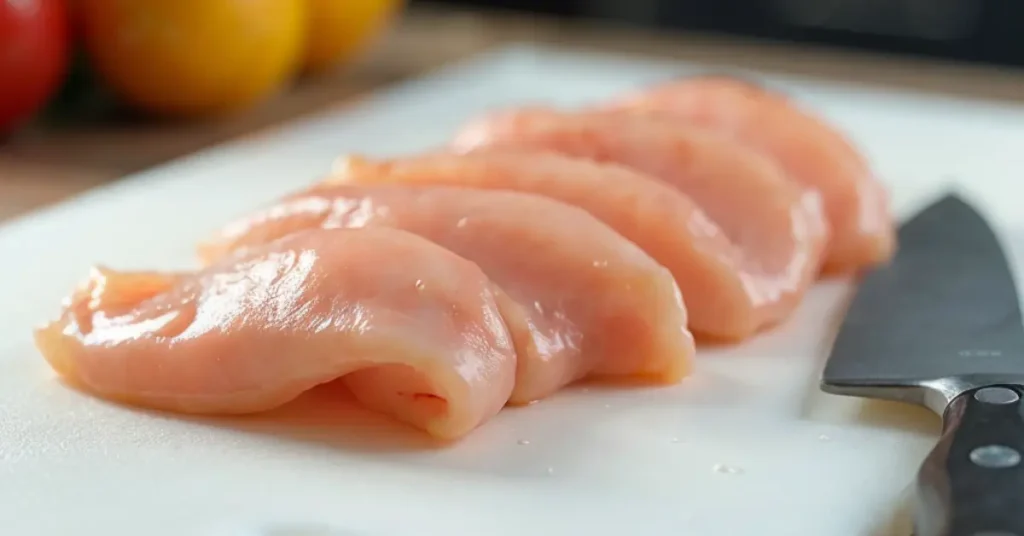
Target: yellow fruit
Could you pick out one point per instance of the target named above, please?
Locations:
(339, 29)
(194, 57)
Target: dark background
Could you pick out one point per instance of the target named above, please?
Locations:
(975, 31)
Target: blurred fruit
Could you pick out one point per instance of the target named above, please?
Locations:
(339, 29)
(34, 43)
(81, 99)
(189, 58)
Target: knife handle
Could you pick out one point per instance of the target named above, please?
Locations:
(972, 482)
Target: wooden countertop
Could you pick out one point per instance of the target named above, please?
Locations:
(44, 166)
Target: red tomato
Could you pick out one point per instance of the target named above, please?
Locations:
(34, 43)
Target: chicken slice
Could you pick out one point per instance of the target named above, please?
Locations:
(414, 331)
(813, 152)
(591, 302)
(724, 297)
(778, 227)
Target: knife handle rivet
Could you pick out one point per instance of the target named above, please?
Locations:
(995, 456)
(996, 395)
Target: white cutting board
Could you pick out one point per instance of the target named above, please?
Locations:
(745, 446)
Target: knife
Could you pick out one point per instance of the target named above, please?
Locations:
(941, 326)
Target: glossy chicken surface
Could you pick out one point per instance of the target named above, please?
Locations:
(812, 151)
(415, 331)
(726, 295)
(535, 247)
(778, 228)
(589, 301)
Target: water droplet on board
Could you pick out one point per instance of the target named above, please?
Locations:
(551, 470)
(727, 469)
(676, 440)
(523, 442)
(824, 437)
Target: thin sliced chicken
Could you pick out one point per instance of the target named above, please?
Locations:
(591, 302)
(414, 331)
(778, 227)
(813, 152)
(723, 298)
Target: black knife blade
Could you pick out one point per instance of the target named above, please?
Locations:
(941, 326)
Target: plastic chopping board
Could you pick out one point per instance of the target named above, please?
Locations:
(746, 445)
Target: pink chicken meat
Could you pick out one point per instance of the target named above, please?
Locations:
(778, 228)
(413, 330)
(589, 302)
(813, 152)
(726, 296)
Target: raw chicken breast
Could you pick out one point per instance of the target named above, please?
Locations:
(591, 301)
(726, 296)
(412, 329)
(811, 151)
(778, 227)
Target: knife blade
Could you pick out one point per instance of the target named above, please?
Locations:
(940, 326)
